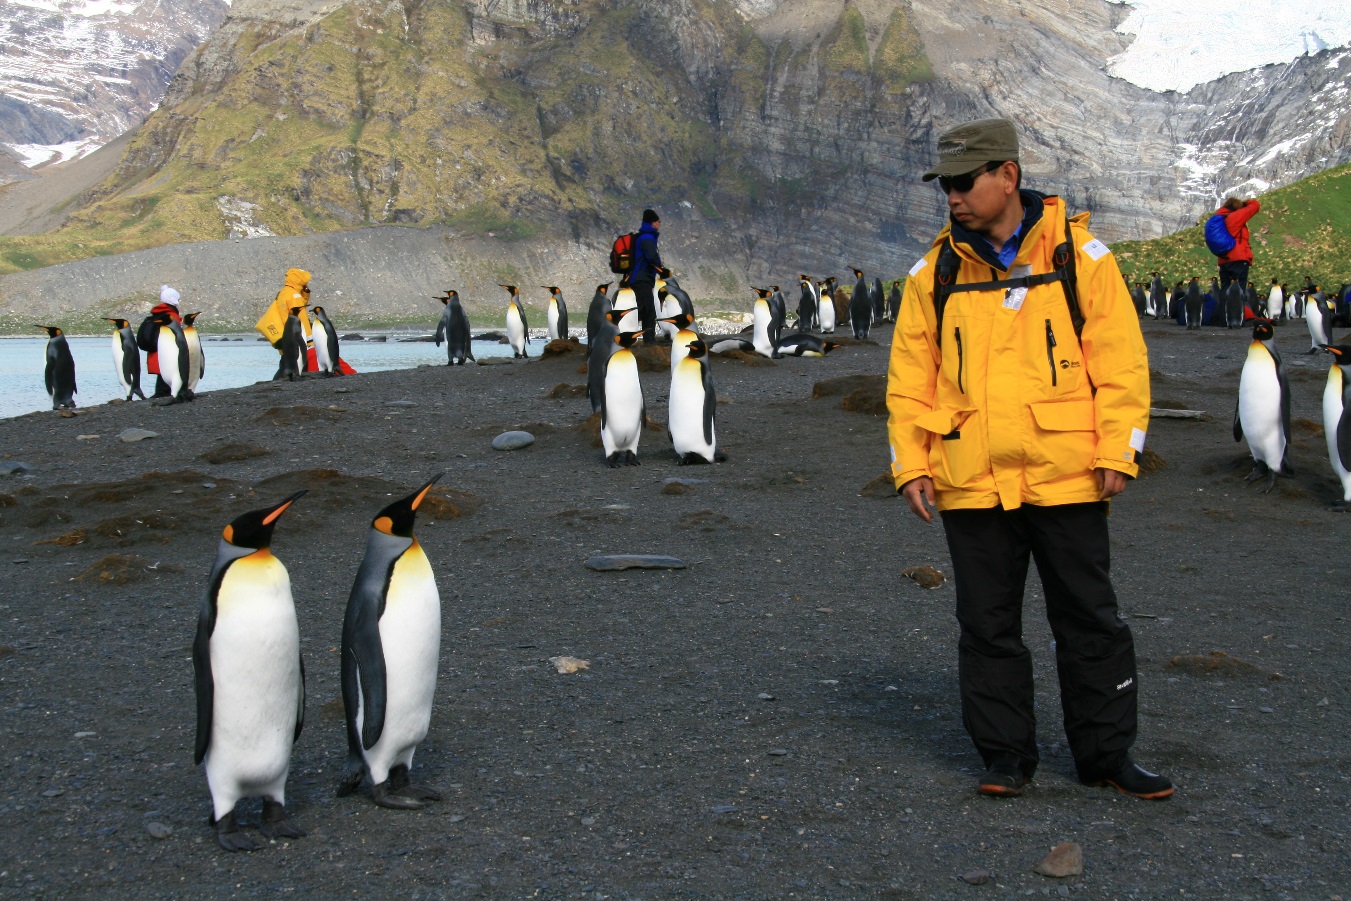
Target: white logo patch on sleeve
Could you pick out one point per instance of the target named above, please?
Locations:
(1096, 250)
(918, 266)
(1138, 440)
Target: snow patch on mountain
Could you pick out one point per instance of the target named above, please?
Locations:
(1180, 45)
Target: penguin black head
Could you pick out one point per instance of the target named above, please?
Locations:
(626, 339)
(804, 278)
(604, 289)
(1342, 352)
(295, 311)
(190, 318)
(511, 289)
(117, 323)
(697, 348)
(828, 346)
(680, 320)
(663, 272)
(315, 310)
(254, 529)
(397, 518)
(762, 293)
(552, 289)
(1263, 330)
(858, 273)
(617, 316)
(51, 330)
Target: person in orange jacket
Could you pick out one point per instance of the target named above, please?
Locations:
(1018, 412)
(1235, 264)
(147, 335)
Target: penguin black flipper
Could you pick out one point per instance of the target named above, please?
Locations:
(711, 403)
(1238, 426)
(201, 666)
(1343, 430)
(364, 678)
(300, 706)
(1281, 379)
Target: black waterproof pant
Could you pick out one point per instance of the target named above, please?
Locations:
(1095, 654)
(647, 309)
(1235, 272)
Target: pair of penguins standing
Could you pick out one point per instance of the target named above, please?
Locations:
(1262, 415)
(868, 306)
(616, 392)
(174, 342)
(250, 677)
(294, 345)
(454, 325)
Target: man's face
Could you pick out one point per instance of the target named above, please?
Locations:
(979, 208)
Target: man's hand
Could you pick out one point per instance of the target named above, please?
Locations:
(1110, 483)
(919, 494)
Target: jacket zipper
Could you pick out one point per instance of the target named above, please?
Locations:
(957, 334)
(1050, 351)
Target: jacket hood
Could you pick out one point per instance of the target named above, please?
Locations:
(297, 278)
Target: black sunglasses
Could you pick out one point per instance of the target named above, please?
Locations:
(964, 183)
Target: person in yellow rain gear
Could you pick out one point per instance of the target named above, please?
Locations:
(295, 293)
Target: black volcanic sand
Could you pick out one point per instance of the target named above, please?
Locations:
(777, 720)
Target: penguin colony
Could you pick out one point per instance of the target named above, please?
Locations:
(1262, 409)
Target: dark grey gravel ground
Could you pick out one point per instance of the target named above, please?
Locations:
(779, 719)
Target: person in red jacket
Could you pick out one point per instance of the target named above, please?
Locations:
(1235, 264)
(147, 336)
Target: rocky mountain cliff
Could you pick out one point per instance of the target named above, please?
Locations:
(88, 71)
(775, 136)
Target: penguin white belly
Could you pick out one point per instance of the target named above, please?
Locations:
(1259, 407)
(1332, 417)
(195, 359)
(669, 307)
(1315, 322)
(760, 334)
(410, 637)
(169, 370)
(687, 412)
(118, 363)
(825, 313)
(1274, 304)
(515, 330)
(321, 346)
(255, 671)
(623, 404)
(553, 321)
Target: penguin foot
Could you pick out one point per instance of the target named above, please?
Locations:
(1339, 506)
(400, 784)
(351, 780)
(631, 459)
(230, 838)
(615, 460)
(383, 797)
(276, 824)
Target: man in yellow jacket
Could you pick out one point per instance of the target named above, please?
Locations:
(1018, 399)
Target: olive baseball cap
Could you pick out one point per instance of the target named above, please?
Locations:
(971, 145)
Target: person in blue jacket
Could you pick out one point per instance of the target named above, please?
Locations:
(643, 275)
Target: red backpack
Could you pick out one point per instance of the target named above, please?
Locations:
(621, 254)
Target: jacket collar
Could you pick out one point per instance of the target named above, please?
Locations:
(975, 245)
(647, 229)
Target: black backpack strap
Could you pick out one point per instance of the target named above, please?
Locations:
(945, 280)
(1064, 261)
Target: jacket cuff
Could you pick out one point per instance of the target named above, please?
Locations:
(908, 475)
(1131, 469)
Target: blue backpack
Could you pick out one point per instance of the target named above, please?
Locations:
(1218, 239)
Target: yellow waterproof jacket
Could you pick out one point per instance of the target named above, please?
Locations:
(291, 295)
(1012, 409)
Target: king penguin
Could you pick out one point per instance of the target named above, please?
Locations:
(1233, 305)
(391, 642)
(59, 374)
(1193, 304)
(1158, 297)
(196, 358)
(325, 343)
(250, 678)
(172, 346)
(294, 355)
(860, 306)
(762, 320)
(682, 336)
(558, 313)
(622, 410)
(693, 407)
(518, 330)
(1262, 415)
(1275, 301)
(825, 308)
(1318, 317)
(127, 358)
(807, 303)
(454, 330)
(801, 344)
(1336, 427)
(595, 314)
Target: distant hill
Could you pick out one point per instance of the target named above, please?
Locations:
(1303, 229)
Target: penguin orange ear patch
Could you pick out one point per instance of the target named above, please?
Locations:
(229, 534)
(384, 524)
